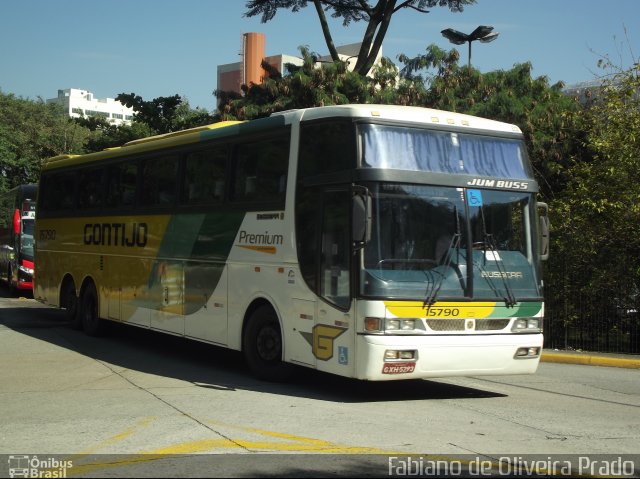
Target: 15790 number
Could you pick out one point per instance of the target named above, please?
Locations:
(47, 235)
(443, 312)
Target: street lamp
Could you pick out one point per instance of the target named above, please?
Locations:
(482, 33)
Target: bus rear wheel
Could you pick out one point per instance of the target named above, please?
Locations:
(262, 346)
(91, 322)
(72, 305)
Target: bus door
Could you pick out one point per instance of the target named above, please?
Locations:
(333, 336)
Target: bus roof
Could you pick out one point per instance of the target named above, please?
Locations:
(412, 114)
(406, 114)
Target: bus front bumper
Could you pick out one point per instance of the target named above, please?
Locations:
(444, 355)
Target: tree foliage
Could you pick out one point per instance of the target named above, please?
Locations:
(31, 131)
(598, 235)
(377, 17)
(542, 111)
(166, 113)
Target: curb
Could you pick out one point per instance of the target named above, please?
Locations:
(589, 360)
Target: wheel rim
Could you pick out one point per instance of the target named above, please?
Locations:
(268, 344)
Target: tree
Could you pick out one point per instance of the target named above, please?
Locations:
(600, 210)
(166, 113)
(30, 132)
(378, 17)
(546, 116)
(110, 136)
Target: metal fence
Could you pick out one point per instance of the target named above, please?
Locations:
(590, 322)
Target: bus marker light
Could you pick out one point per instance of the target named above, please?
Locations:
(372, 324)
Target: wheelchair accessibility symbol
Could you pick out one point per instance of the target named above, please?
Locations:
(343, 355)
(474, 197)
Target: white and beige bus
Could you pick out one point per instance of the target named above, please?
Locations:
(369, 241)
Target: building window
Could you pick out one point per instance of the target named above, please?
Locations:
(100, 114)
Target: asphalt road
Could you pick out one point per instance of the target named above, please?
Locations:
(141, 403)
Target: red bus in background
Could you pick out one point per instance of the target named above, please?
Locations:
(17, 223)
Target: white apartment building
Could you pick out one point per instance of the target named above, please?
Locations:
(81, 103)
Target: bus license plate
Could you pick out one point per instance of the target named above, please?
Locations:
(398, 368)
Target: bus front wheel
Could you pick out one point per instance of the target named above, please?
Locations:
(262, 346)
(91, 322)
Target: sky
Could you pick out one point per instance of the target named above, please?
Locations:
(159, 48)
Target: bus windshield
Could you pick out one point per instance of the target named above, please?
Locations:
(26, 238)
(435, 242)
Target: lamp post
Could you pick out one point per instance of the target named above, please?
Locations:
(483, 33)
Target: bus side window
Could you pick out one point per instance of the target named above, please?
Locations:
(261, 173)
(326, 147)
(204, 177)
(121, 185)
(60, 192)
(90, 188)
(159, 181)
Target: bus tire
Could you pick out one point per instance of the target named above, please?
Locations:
(72, 305)
(91, 322)
(13, 291)
(262, 346)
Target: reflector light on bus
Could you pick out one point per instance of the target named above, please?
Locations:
(390, 354)
(525, 353)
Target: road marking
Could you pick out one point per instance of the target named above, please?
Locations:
(118, 437)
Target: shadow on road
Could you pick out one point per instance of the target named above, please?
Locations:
(205, 365)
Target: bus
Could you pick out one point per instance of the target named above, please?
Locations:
(369, 241)
(17, 223)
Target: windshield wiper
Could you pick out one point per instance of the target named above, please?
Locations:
(488, 240)
(432, 293)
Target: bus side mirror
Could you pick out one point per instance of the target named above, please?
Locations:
(544, 231)
(361, 218)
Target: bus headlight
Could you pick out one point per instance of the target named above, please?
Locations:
(25, 270)
(392, 325)
(408, 324)
(527, 325)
